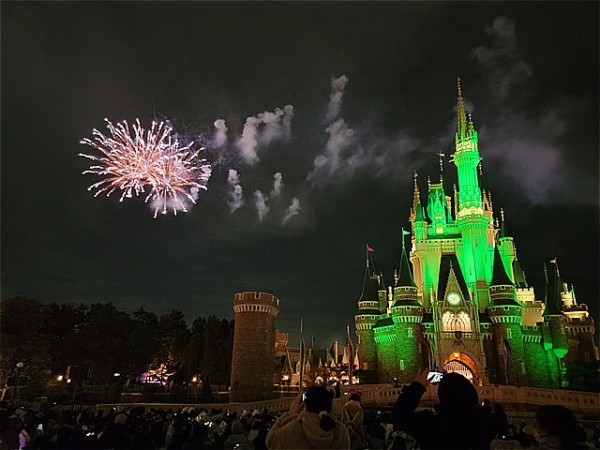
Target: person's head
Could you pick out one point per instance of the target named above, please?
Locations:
(456, 392)
(237, 427)
(556, 420)
(319, 400)
(354, 396)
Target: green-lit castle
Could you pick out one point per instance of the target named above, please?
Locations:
(465, 305)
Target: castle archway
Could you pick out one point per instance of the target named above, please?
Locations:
(463, 364)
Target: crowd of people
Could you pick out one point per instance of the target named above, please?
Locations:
(459, 421)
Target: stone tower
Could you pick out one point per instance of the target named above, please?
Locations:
(253, 357)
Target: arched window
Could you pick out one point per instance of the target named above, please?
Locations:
(456, 322)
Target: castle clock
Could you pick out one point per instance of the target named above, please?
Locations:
(453, 298)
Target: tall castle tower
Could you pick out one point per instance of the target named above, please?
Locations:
(466, 306)
(253, 359)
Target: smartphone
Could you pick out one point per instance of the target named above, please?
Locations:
(303, 397)
(435, 377)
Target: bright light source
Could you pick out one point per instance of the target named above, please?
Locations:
(59, 378)
(116, 374)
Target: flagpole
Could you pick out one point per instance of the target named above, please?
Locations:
(301, 358)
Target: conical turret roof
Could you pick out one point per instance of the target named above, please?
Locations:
(405, 278)
(499, 276)
(520, 280)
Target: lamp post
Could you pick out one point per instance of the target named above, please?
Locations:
(18, 368)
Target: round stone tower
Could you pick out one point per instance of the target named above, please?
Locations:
(253, 357)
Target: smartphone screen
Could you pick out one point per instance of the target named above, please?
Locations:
(435, 377)
(303, 397)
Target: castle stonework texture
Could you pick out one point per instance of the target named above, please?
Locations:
(463, 303)
(253, 359)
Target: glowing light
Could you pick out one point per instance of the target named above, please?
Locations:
(139, 161)
(59, 378)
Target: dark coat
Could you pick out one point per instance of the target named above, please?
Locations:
(451, 428)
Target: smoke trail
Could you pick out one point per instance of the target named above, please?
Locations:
(248, 142)
(236, 194)
(262, 209)
(292, 210)
(335, 98)
(220, 135)
(277, 185)
(288, 115)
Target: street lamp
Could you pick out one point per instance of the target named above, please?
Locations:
(17, 372)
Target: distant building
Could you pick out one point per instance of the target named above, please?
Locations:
(464, 304)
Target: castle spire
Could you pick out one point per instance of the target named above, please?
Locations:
(461, 122)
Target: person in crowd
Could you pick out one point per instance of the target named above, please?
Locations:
(237, 439)
(500, 420)
(458, 424)
(308, 424)
(353, 417)
(557, 428)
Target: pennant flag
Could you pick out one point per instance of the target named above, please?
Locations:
(405, 233)
(369, 249)
(553, 261)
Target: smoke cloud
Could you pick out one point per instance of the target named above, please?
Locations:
(501, 61)
(293, 210)
(263, 129)
(335, 98)
(262, 209)
(236, 193)
(331, 160)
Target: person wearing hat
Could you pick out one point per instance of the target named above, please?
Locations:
(308, 424)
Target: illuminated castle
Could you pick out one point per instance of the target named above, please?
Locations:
(465, 305)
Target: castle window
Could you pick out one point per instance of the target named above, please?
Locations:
(409, 332)
(509, 333)
(456, 322)
(401, 364)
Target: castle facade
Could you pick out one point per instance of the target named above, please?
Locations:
(460, 300)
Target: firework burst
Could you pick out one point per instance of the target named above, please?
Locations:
(150, 162)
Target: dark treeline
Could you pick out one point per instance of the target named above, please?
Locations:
(50, 337)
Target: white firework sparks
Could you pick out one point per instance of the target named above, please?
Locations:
(151, 160)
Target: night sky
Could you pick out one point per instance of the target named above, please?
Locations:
(373, 91)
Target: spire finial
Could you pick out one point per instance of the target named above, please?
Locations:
(502, 214)
(462, 116)
(441, 158)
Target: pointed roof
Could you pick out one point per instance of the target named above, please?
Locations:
(499, 276)
(450, 263)
(370, 287)
(520, 280)
(405, 278)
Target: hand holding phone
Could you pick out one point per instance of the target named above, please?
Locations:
(434, 377)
